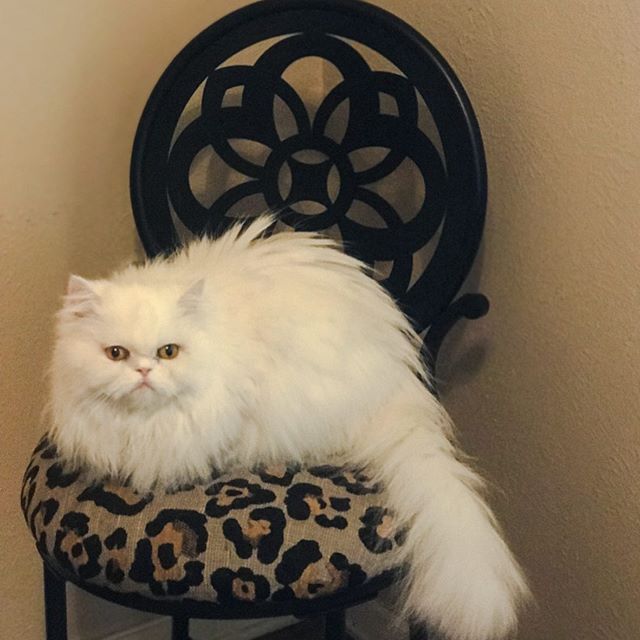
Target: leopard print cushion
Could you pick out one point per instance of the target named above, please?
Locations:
(268, 534)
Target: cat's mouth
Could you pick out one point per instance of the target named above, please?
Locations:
(143, 384)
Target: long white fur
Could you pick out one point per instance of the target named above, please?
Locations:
(289, 351)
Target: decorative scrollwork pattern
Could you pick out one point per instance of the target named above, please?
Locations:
(255, 120)
(311, 176)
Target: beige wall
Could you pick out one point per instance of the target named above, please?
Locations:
(553, 412)
(545, 389)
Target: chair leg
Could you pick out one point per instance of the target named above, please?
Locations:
(335, 625)
(419, 632)
(55, 606)
(180, 628)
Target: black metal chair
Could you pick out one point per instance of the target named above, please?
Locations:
(390, 160)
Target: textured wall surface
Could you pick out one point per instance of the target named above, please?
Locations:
(545, 390)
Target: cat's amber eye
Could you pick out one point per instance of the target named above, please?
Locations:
(116, 353)
(168, 351)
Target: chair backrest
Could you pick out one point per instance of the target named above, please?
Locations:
(337, 116)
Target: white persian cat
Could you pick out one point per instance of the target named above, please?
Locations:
(246, 350)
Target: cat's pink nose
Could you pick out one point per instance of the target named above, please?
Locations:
(143, 370)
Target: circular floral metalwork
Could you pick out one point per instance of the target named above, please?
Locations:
(452, 210)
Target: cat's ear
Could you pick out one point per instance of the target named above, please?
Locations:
(81, 298)
(190, 300)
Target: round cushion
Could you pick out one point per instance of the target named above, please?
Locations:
(271, 535)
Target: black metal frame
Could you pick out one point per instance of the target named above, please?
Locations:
(333, 608)
(429, 304)
(157, 168)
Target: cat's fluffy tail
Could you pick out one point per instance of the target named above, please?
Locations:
(462, 580)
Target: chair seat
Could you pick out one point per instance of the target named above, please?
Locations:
(261, 536)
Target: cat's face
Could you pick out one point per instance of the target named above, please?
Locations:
(129, 344)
